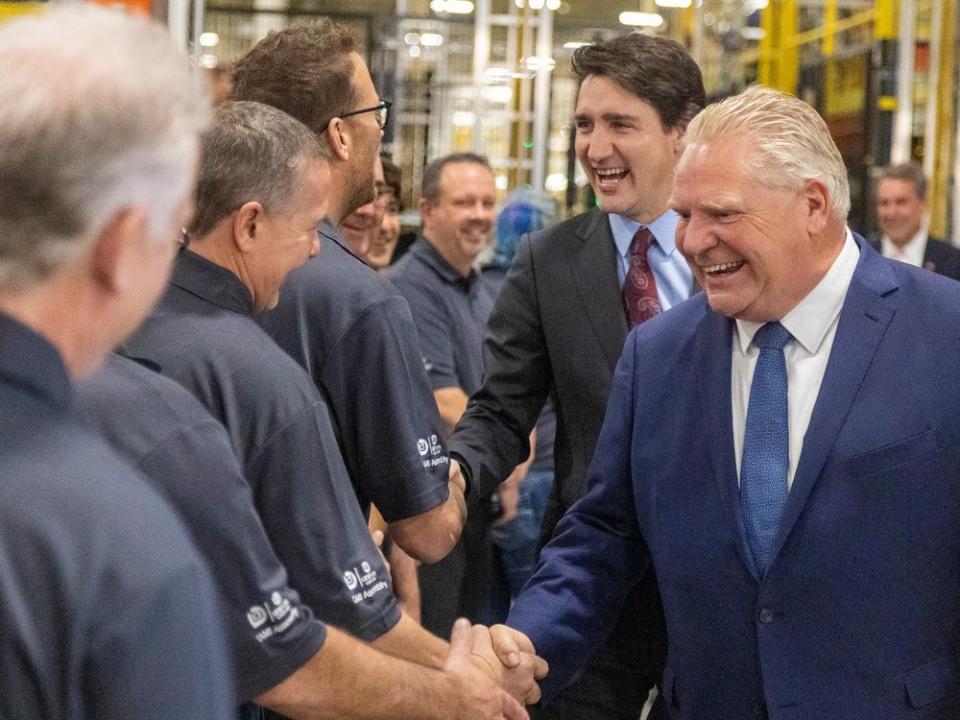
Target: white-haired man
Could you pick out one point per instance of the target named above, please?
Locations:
(788, 463)
(106, 609)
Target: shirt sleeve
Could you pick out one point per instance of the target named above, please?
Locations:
(596, 556)
(312, 518)
(389, 427)
(271, 632)
(155, 647)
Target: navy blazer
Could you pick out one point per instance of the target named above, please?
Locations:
(857, 616)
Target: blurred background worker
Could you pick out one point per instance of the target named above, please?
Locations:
(901, 201)
(450, 306)
(384, 243)
(106, 609)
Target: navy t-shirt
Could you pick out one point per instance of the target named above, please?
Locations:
(201, 335)
(163, 431)
(353, 333)
(106, 609)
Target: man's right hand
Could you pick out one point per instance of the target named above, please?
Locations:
(480, 698)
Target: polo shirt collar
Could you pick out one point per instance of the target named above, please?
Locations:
(208, 281)
(29, 360)
(430, 256)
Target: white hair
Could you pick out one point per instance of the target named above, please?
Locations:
(98, 112)
(788, 142)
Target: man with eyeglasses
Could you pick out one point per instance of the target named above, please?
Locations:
(338, 318)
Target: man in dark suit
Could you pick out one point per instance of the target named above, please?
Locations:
(805, 537)
(901, 198)
(564, 310)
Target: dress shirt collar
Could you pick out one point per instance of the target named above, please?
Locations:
(426, 253)
(29, 360)
(810, 320)
(664, 230)
(208, 281)
(912, 252)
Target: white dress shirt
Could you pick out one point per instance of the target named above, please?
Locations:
(911, 253)
(813, 325)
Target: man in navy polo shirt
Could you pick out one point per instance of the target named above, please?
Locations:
(256, 214)
(106, 609)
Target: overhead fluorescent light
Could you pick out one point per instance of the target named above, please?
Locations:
(673, 3)
(453, 7)
(641, 19)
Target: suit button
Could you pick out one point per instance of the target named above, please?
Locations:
(766, 616)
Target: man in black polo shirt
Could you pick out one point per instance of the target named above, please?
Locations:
(450, 307)
(337, 317)
(260, 195)
(283, 657)
(106, 609)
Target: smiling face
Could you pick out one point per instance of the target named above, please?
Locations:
(623, 147)
(900, 210)
(290, 238)
(755, 250)
(460, 223)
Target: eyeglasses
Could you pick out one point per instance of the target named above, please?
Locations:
(382, 111)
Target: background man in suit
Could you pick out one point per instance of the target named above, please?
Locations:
(901, 198)
(561, 317)
(804, 536)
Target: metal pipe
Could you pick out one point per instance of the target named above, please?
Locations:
(903, 117)
(933, 97)
(541, 98)
(481, 56)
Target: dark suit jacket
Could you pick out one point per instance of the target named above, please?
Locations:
(939, 256)
(558, 325)
(857, 617)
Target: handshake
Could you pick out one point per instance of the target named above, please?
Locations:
(496, 670)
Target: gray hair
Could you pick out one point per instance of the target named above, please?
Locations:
(908, 172)
(98, 112)
(251, 152)
(430, 186)
(788, 141)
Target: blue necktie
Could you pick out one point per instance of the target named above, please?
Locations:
(766, 453)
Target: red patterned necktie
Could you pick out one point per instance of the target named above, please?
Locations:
(640, 298)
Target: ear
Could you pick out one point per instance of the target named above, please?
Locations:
(816, 199)
(113, 255)
(339, 138)
(246, 222)
(426, 208)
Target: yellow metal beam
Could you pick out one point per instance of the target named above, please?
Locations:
(767, 64)
(789, 70)
(888, 19)
(861, 18)
(829, 27)
(946, 124)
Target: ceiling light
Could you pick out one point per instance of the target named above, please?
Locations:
(752, 33)
(553, 4)
(641, 19)
(209, 39)
(429, 39)
(453, 7)
(575, 45)
(673, 3)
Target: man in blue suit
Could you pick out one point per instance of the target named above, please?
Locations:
(789, 460)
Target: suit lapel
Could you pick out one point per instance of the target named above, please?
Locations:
(867, 311)
(714, 389)
(593, 266)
